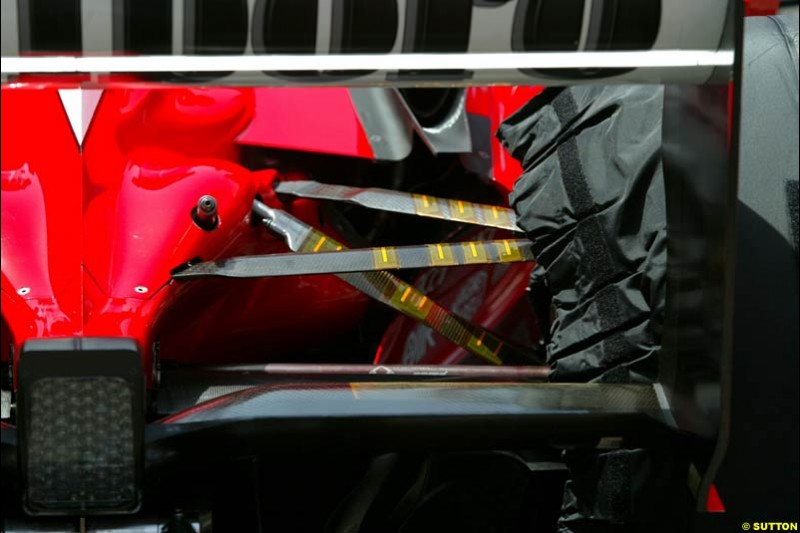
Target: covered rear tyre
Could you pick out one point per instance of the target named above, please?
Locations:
(592, 200)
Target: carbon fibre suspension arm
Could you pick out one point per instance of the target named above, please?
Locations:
(392, 291)
(405, 203)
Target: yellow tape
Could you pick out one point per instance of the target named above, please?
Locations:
(385, 257)
(479, 345)
(495, 215)
(412, 301)
(509, 251)
(317, 242)
(463, 211)
(441, 255)
(474, 252)
(426, 205)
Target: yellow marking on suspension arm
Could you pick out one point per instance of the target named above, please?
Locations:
(480, 339)
(406, 292)
(321, 241)
(441, 255)
(411, 301)
(426, 205)
(479, 348)
(474, 252)
(462, 211)
(385, 257)
(493, 214)
(509, 251)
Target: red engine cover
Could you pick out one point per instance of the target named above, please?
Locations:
(90, 235)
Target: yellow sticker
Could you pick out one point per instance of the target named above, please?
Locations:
(385, 257)
(317, 242)
(426, 205)
(509, 251)
(464, 211)
(405, 294)
(478, 345)
(496, 215)
(441, 255)
(474, 252)
(320, 243)
(411, 301)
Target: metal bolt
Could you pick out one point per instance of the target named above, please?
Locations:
(23, 291)
(207, 205)
(141, 289)
(205, 214)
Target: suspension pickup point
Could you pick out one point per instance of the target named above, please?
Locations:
(205, 213)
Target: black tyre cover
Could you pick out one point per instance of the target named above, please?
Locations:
(591, 199)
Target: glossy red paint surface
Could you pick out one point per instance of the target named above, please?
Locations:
(497, 104)
(190, 122)
(142, 229)
(41, 224)
(89, 239)
(320, 120)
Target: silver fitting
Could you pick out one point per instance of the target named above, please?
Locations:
(205, 213)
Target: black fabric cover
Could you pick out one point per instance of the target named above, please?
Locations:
(591, 199)
(616, 491)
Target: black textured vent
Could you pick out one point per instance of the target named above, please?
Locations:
(81, 444)
(80, 425)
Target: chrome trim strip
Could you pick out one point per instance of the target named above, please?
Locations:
(384, 62)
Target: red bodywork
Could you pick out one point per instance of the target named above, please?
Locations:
(498, 103)
(91, 233)
(279, 111)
